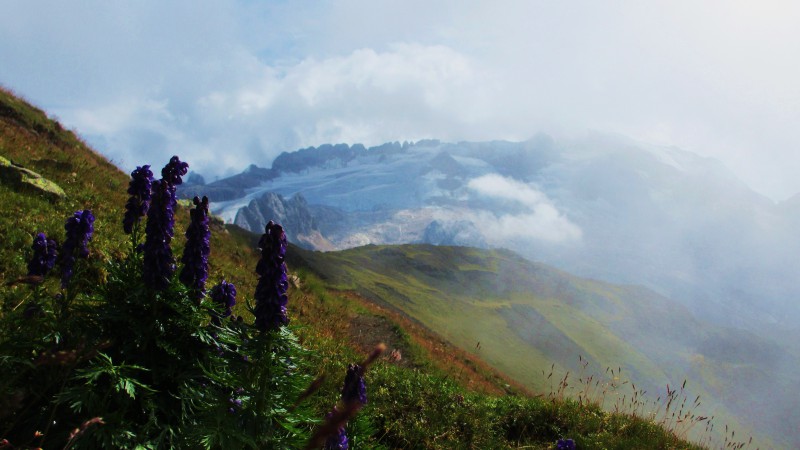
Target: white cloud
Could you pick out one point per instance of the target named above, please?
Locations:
(113, 118)
(538, 218)
(252, 79)
(408, 92)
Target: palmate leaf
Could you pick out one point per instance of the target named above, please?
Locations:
(118, 374)
(129, 386)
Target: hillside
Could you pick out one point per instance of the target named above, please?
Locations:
(523, 317)
(30, 139)
(435, 396)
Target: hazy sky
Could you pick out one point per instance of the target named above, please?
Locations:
(227, 83)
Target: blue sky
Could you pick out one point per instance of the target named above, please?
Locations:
(228, 83)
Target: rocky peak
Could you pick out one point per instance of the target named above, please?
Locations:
(323, 156)
(293, 214)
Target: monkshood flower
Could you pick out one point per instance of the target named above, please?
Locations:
(79, 230)
(198, 247)
(338, 440)
(354, 396)
(174, 170)
(139, 190)
(44, 255)
(565, 444)
(223, 294)
(158, 263)
(270, 293)
(354, 389)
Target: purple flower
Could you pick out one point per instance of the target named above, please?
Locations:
(565, 444)
(198, 247)
(44, 255)
(354, 389)
(174, 170)
(336, 441)
(79, 230)
(139, 189)
(223, 294)
(159, 264)
(270, 293)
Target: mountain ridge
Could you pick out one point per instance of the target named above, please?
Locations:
(603, 206)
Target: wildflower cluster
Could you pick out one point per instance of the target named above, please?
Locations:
(270, 294)
(159, 264)
(145, 359)
(354, 389)
(354, 397)
(198, 247)
(138, 204)
(565, 444)
(337, 440)
(44, 255)
(79, 228)
(223, 294)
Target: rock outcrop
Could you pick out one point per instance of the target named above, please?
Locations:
(25, 180)
(294, 214)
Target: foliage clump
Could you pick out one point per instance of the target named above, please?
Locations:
(145, 359)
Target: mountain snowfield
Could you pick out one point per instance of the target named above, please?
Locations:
(599, 206)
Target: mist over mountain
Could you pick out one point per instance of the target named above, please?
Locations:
(599, 206)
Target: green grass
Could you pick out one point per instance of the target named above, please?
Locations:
(424, 407)
(531, 320)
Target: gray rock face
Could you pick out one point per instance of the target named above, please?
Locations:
(293, 214)
(26, 180)
(339, 155)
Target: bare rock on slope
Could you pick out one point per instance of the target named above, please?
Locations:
(25, 180)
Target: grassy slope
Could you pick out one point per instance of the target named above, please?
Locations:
(437, 396)
(30, 139)
(528, 316)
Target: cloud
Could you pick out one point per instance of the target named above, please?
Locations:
(242, 81)
(538, 219)
(407, 92)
